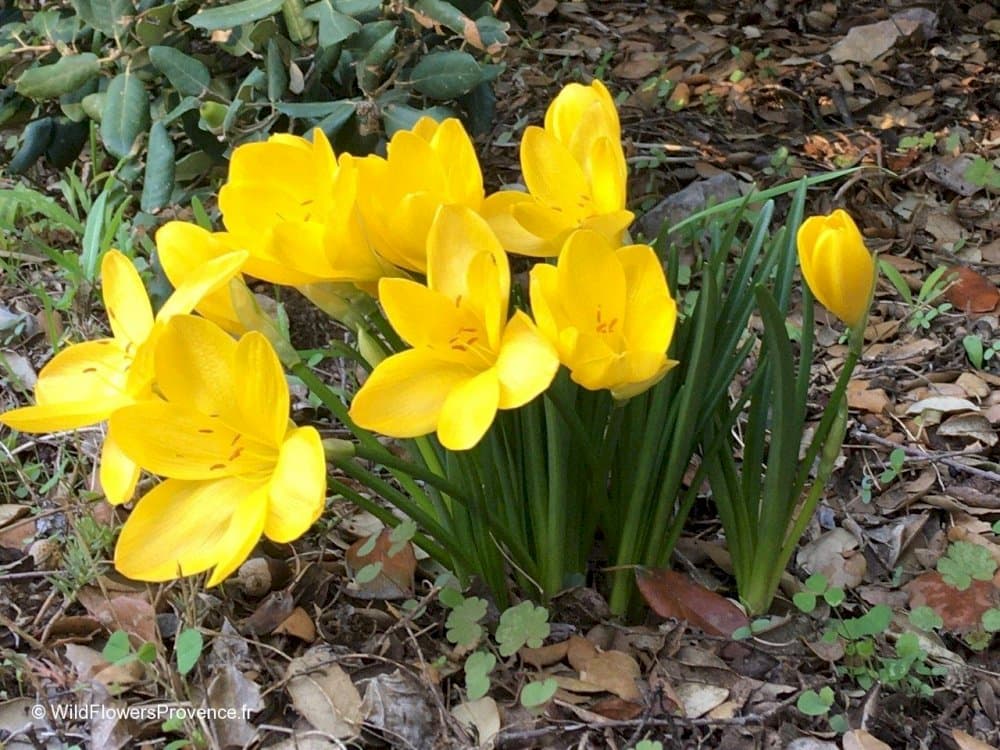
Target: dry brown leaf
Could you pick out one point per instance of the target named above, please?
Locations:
(617, 709)
(398, 565)
(323, 693)
(698, 699)
(961, 611)
(860, 396)
(834, 554)
(972, 292)
(298, 624)
(544, 656)
(615, 672)
(859, 739)
(673, 594)
(579, 651)
(230, 688)
(864, 44)
(131, 613)
(481, 715)
(966, 741)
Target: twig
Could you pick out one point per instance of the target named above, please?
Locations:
(924, 455)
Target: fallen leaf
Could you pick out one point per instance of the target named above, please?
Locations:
(617, 709)
(615, 672)
(961, 611)
(941, 404)
(859, 739)
(397, 565)
(132, 614)
(860, 396)
(298, 624)
(231, 689)
(579, 651)
(673, 594)
(270, 613)
(404, 708)
(863, 44)
(698, 699)
(966, 741)
(972, 292)
(481, 715)
(974, 426)
(323, 693)
(834, 554)
(544, 656)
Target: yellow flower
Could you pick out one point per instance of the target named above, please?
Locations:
(576, 176)
(467, 359)
(291, 204)
(837, 266)
(430, 166)
(608, 311)
(236, 466)
(85, 383)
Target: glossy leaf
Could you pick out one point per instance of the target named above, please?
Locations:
(672, 594)
(50, 81)
(189, 76)
(234, 14)
(126, 114)
(334, 26)
(158, 183)
(445, 75)
(37, 136)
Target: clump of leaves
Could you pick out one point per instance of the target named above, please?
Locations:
(524, 624)
(168, 85)
(965, 562)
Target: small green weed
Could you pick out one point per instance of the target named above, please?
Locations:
(979, 352)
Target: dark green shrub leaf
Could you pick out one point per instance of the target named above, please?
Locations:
(37, 136)
(334, 26)
(158, 182)
(361, 9)
(299, 27)
(314, 110)
(107, 16)
(68, 138)
(126, 114)
(152, 25)
(234, 14)
(50, 81)
(189, 76)
(93, 105)
(277, 76)
(445, 75)
(370, 67)
(403, 117)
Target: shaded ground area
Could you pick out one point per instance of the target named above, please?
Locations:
(711, 94)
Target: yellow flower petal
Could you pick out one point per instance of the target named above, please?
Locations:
(119, 474)
(260, 389)
(457, 236)
(527, 363)
(553, 176)
(125, 299)
(468, 411)
(592, 285)
(650, 311)
(404, 395)
(607, 177)
(436, 325)
(455, 152)
(210, 276)
(196, 366)
(181, 528)
(298, 487)
(180, 443)
(245, 527)
(498, 210)
(836, 265)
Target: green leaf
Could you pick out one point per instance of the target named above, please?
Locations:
(62, 77)
(991, 620)
(277, 76)
(812, 703)
(450, 597)
(369, 69)
(404, 117)
(147, 652)
(126, 114)
(27, 200)
(925, 618)
(816, 583)
(299, 27)
(805, 601)
(234, 14)
(477, 668)
(873, 622)
(188, 649)
(446, 74)
(315, 110)
(37, 137)
(964, 562)
(834, 596)
(463, 622)
(107, 16)
(117, 647)
(158, 182)
(334, 26)
(368, 573)
(189, 76)
(536, 694)
(522, 625)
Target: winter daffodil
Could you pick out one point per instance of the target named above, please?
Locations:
(291, 203)
(468, 359)
(236, 467)
(430, 166)
(87, 382)
(608, 311)
(837, 266)
(575, 172)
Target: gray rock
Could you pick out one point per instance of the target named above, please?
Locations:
(696, 196)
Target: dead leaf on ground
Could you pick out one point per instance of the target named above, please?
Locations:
(859, 739)
(298, 624)
(231, 689)
(698, 699)
(133, 614)
(615, 672)
(323, 693)
(481, 715)
(966, 741)
(397, 565)
(404, 708)
(961, 611)
(673, 594)
(972, 292)
(835, 554)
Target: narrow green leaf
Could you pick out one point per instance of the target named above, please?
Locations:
(369, 69)
(91, 243)
(315, 110)
(62, 77)
(299, 27)
(234, 14)
(189, 76)
(26, 199)
(158, 182)
(447, 74)
(334, 26)
(126, 114)
(277, 76)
